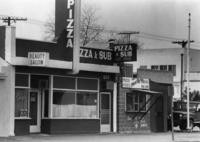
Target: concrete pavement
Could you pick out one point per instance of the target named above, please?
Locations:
(148, 137)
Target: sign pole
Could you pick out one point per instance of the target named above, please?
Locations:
(188, 76)
(172, 117)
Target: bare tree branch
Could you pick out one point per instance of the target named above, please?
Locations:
(90, 30)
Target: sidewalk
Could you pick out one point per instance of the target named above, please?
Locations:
(152, 137)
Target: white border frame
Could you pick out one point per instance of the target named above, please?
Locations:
(36, 128)
(110, 110)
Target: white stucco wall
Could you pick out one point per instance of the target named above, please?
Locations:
(150, 57)
(7, 102)
(7, 85)
(194, 61)
(169, 56)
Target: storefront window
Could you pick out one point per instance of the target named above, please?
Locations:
(21, 102)
(68, 104)
(135, 102)
(88, 104)
(63, 104)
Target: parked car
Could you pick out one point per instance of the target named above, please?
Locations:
(180, 115)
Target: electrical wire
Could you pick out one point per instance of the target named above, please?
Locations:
(144, 35)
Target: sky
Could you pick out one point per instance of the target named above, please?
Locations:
(165, 18)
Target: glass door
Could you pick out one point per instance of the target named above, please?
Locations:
(35, 111)
(105, 111)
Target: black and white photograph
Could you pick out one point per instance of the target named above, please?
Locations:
(100, 70)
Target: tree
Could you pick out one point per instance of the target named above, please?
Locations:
(90, 30)
(50, 29)
(193, 95)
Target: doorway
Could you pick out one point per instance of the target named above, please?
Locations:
(105, 111)
(38, 84)
(35, 111)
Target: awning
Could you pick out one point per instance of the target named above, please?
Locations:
(2, 76)
(147, 91)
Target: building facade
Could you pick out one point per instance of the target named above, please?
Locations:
(40, 93)
(144, 106)
(170, 59)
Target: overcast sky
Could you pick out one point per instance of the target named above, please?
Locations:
(167, 18)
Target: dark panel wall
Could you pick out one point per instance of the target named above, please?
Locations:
(62, 126)
(22, 126)
(55, 51)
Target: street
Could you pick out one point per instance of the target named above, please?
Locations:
(139, 137)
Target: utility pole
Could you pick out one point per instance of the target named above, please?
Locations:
(183, 43)
(9, 19)
(188, 74)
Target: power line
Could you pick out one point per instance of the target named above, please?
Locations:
(161, 36)
(9, 19)
(146, 35)
(153, 38)
(183, 43)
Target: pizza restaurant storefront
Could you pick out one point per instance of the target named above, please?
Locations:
(60, 104)
(47, 97)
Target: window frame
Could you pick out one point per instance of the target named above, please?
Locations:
(28, 90)
(173, 69)
(76, 90)
(163, 67)
(138, 103)
(155, 67)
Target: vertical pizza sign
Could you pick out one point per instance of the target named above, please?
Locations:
(70, 24)
(67, 20)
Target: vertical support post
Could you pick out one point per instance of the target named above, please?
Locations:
(181, 82)
(115, 107)
(10, 43)
(76, 57)
(188, 76)
(172, 115)
(51, 98)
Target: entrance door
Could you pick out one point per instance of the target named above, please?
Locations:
(105, 111)
(35, 111)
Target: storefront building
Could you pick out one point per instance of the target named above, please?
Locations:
(41, 94)
(144, 102)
